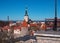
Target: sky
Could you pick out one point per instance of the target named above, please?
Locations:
(37, 9)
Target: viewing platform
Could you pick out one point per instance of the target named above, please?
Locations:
(47, 36)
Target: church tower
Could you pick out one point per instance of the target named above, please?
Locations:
(26, 17)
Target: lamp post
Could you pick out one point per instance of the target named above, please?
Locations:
(55, 19)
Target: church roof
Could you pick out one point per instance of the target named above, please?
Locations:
(24, 24)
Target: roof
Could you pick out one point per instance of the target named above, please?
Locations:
(6, 27)
(24, 24)
(33, 24)
(17, 27)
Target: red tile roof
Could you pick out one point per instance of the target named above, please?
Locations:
(17, 27)
(6, 27)
(24, 24)
(33, 24)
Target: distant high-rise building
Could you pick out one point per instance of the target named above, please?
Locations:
(8, 18)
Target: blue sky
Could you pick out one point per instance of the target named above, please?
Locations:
(37, 9)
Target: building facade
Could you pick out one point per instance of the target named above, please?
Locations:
(50, 23)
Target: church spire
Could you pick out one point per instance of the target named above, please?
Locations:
(26, 13)
(26, 18)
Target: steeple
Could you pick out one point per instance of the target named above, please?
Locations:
(26, 17)
(26, 13)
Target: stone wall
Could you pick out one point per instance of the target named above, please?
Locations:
(48, 40)
(24, 31)
(28, 41)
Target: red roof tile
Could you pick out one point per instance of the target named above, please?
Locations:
(6, 27)
(24, 24)
(33, 24)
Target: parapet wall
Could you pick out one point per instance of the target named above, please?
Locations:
(47, 40)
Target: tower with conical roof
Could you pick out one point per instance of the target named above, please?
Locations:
(26, 17)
